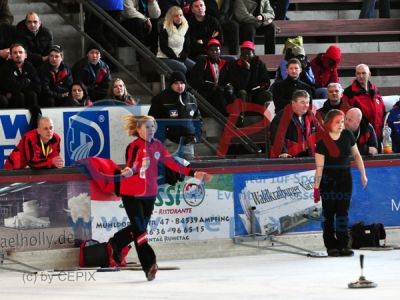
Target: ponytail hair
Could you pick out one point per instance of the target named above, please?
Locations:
(132, 123)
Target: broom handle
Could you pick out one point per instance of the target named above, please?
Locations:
(362, 261)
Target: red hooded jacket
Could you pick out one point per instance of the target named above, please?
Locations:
(325, 67)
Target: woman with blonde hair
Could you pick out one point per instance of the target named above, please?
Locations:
(174, 41)
(118, 91)
(139, 188)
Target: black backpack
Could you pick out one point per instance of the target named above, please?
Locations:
(367, 235)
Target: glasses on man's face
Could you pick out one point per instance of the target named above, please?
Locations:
(333, 91)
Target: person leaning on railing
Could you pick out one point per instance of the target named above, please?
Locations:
(38, 148)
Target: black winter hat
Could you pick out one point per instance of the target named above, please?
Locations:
(177, 76)
(93, 46)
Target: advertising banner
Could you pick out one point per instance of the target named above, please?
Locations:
(185, 212)
(279, 201)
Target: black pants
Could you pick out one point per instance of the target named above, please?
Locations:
(231, 36)
(139, 211)
(137, 27)
(336, 189)
(248, 33)
(25, 99)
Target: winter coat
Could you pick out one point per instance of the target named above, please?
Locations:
(243, 11)
(14, 81)
(325, 67)
(370, 103)
(96, 78)
(366, 137)
(242, 78)
(168, 105)
(131, 10)
(174, 44)
(55, 83)
(394, 124)
(203, 31)
(110, 5)
(36, 45)
(29, 152)
(289, 136)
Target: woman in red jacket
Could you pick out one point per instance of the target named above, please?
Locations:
(139, 188)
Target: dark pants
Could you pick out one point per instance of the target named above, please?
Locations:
(336, 189)
(139, 211)
(248, 33)
(25, 99)
(231, 36)
(280, 8)
(137, 27)
(368, 9)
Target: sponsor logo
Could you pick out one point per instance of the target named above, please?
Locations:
(193, 192)
(86, 135)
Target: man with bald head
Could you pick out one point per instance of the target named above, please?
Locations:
(362, 130)
(362, 93)
(38, 148)
(36, 38)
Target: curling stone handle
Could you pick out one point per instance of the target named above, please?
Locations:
(362, 261)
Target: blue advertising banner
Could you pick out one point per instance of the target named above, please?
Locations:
(284, 200)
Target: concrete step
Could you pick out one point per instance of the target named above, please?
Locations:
(23, 7)
(331, 14)
(345, 47)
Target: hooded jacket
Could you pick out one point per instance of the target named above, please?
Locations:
(325, 67)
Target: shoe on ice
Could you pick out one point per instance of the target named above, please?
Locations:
(333, 252)
(116, 254)
(151, 273)
(346, 252)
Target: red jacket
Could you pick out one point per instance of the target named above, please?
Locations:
(29, 152)
(370, 103)
(325, 67)
(143, 158)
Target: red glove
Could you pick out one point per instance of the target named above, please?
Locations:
(317, 195)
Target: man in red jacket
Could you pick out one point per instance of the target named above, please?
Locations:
(38, 149)
(362, 93)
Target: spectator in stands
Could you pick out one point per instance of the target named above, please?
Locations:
(140, 18)
(56, 78)
(222, 10)
(117, 91)
(202, 28)
(93, 72)
(7, 38)
(256, 16)
(249, 76)
(38, 148)
(176, 103)
(280, 8)
(20, 84)
(36, 38)
(325, 67)
(209, 77)
(363, 132)
(306, 75)
(333, 182)
(282, 91)
(292, 130)
(5, 13)
(174, 41)
(393, 122)
(334, 101)
(368, 9)
(362, 93)
(78, 95)
(99, 31)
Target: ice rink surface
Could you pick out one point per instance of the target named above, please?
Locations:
(268, 276)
